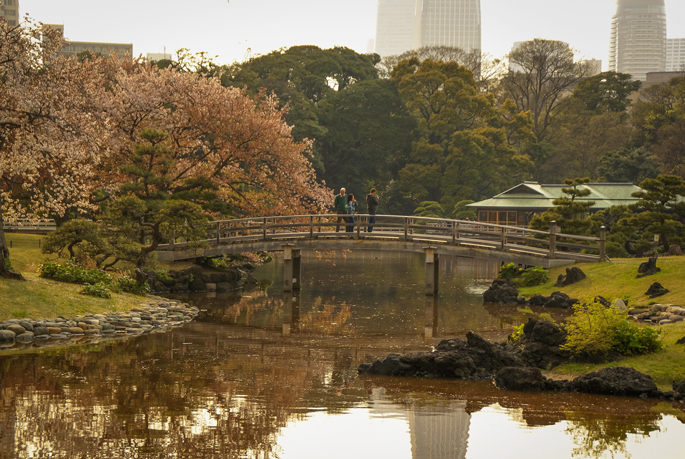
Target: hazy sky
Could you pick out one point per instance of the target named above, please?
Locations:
(229, 29)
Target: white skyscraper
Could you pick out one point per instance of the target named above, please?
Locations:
(675, 54)
(454, 23)
(638, 38)
(395, 26)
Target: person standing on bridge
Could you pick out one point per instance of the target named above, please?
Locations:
(351, 210)
(371, 206)
(340, 207)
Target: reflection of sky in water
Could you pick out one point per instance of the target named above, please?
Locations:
(493, 432)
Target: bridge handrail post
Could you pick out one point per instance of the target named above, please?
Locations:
(455, 232)
(218, 233)
(264, 228)
(406, 227)
(311, 227)
(552, 239)
(358, 226)
(504, 238)
(602, 243)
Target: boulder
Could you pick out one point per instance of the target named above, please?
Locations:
(538, 300)
(679, 388)
(524, 379)
(615, 381)
(7, 336)
(572, 276)
(28, 326)
(541, 343)
(25, 337)
(16, 328)
(560, 300)
(502, 291)
(681, 341)
(655, 290)
(620, 305)
(647, 268)
(40, 331)
(674, 250)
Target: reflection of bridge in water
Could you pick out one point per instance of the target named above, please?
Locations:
(432, 236)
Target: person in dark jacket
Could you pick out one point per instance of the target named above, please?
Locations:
(351, 210)
(340, 205)
(371, 206)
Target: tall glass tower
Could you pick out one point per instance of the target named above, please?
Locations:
(448, 23)
(638, 38)
(395, 26)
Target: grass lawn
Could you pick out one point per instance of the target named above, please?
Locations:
(43, 298)
(617, 280)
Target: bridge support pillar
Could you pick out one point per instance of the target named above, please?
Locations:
(432, 270)
(291, 268)
(431, 326)
(291, 312)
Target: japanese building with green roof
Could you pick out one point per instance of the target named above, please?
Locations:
(519, 204)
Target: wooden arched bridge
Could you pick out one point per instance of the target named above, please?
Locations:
(433, 236)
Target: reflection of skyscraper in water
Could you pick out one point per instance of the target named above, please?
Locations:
(436, 431)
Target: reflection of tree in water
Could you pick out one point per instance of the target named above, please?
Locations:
(595, 435)
(138, 399)
(327, 318)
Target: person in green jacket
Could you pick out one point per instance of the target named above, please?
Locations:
(340, 207)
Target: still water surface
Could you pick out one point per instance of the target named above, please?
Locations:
(268, 375)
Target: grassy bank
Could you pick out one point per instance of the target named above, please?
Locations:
(617, 280)
(43, 298)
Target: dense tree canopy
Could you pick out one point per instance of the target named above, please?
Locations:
(466, 148)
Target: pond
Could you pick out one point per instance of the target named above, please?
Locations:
(268, 375)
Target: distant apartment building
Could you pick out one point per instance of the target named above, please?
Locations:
(154, 57)
(104, 49)
(675, 55)
(638, 38)
(10, 11)
(395, 26)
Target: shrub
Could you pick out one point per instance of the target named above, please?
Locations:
(72, 273)
(631, 339)
(516, 334)
(596, 330)
(129, 285)
(100, 290)
(509, 271)
(530, 277)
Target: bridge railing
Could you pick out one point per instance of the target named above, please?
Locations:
(466, 233)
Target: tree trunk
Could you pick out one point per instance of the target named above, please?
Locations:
(6, 270)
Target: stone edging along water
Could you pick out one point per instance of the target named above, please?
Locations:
(155, 314)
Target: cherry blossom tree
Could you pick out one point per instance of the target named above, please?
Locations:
(50, 138)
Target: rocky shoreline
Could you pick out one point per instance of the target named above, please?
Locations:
(155, 314)
(517, 367)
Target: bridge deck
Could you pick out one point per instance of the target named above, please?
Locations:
(391, 233)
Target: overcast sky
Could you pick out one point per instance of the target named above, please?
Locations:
(232, 29)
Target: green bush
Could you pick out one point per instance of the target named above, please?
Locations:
(530, 277)
(100, 290)
(129, 285)
(596, 330)
(631, 339)
(509, 271)
(74, 274)
(516, 334)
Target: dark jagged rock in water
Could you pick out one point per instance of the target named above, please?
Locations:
(656, 289)
(560, 300)
(681, 340)
(538, 300)
(541, 343)
(502, 291)
(572, 276)
(647, 268)
(522, 379)
(615, 381)
(474, 358)
(679, 389)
